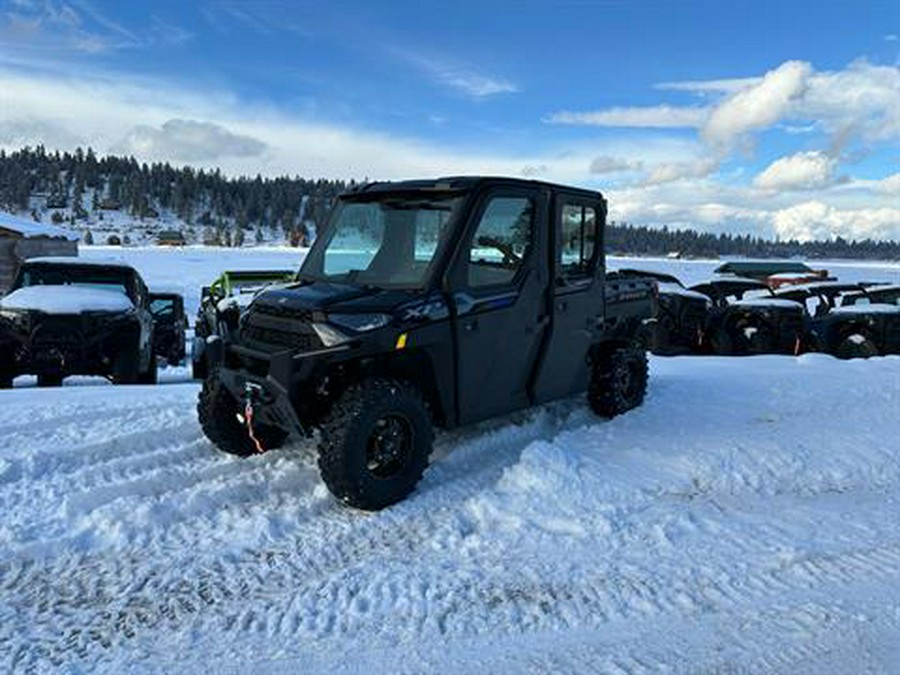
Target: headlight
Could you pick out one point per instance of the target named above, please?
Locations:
(329, 335)
(360, 323)
(14, 316)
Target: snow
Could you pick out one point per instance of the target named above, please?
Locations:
(29, 228)
(674, 289)
(66, 300)
(874, 308)
(94, 261)
(790, 276)
(767, 302)
(745, 519)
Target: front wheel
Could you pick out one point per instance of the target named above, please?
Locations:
(218, 412)
(856, 346)
(618, 380)
(375, 444)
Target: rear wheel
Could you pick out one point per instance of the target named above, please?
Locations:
(218, 412)
(618, 380)
(126, 367)
(149, 376)
(375, 443)
(199, 371)
(49, 380)
(6, 376)
(856, 346)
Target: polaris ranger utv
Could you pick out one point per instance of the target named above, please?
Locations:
(69, 316)
(435, 302)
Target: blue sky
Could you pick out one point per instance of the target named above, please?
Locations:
(770, 117)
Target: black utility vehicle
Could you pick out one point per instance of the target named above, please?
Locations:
(435, 302)
(169, 324)
(865, 322)
(682, 314)
(67, 316)
(221, 304)
(747, 318)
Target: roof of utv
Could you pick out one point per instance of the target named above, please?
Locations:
(461, 183)
(73, 261)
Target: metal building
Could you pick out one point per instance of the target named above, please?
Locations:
(21, 239)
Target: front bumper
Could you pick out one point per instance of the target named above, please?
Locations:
(273, 383)
(62, 348)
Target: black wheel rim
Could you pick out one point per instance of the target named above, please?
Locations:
(389, 446)
(628, 379)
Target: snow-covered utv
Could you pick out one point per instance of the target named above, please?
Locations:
(681, 317)
(69, 316)
(221, 304)
(429, 303)
(169, 324)
(866, 323)
(747, 318)
(774, 273)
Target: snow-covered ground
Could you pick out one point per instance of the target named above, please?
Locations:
(745, 519)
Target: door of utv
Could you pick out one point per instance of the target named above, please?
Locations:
(577, 239)
(500, 276)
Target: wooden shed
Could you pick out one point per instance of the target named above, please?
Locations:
(21, 239)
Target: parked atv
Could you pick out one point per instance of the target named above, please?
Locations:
(68, 316)
(429, 303)
(221, 304)
(169, 324)
(747, 318)
(679, 324)
(866, 323)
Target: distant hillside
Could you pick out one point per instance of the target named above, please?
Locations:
(133, 202)
(122, 197)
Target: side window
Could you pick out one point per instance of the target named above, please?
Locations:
(501, 242)
(579, 238)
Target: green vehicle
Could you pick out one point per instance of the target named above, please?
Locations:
(221, 304)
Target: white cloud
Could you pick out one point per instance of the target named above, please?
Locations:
(459, 77)
(889, 185)
(726, 86)
(756, 107)
(668, 172)
(817, 220)
(182, 140)
(861, 101)
(606, 164)
(801, 171)
(660, 117)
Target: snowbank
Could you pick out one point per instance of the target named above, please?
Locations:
(745, 519)
(873, 308)
(66, 300)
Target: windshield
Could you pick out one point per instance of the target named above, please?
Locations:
(391, 242)
(162, 307)
(85, 276)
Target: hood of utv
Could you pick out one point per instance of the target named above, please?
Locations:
(303, 299)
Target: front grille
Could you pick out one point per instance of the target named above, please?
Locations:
(259, 337)
(283, 312)
(52, 330)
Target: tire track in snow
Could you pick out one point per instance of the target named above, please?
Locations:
(335, 574)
